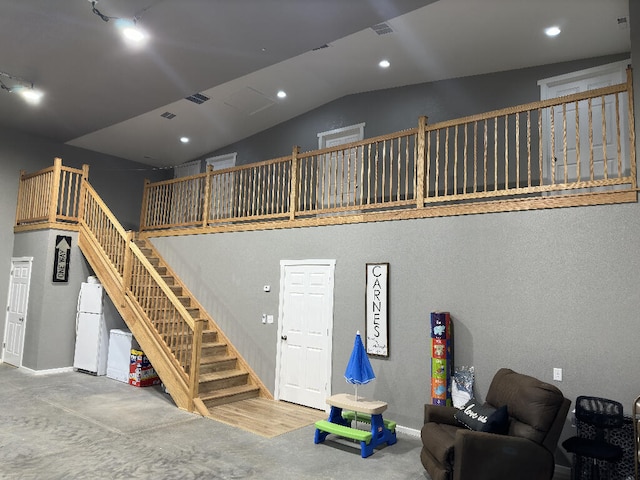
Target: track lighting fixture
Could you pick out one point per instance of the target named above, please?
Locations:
(12, 84)
(127, 27)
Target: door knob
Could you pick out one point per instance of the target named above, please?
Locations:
(21, 319)
(283, 337)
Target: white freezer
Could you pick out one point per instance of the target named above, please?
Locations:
(120, 344)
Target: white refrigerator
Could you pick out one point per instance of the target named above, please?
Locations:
(92, 331)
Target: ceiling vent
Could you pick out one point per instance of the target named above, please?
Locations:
(168, 115)
(382, 28)
(197, 98)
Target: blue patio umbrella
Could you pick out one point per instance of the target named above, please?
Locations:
(359, 370)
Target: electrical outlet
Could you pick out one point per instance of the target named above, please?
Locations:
(557, 374)
(264, 318)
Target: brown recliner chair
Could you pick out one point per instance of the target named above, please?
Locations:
(537, 412)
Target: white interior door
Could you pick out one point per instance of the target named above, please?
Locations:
(186, 169)
(343, 169)
(223, 186)
(604, 143)
(16, 318)
(305, 323)
(340, 180)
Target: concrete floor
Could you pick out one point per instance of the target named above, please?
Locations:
(76, 426)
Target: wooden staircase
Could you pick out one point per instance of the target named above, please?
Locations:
(224, 376)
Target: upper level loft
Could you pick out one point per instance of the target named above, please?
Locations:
(573, 150)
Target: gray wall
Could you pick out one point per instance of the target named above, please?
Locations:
(50, 332)
(50, 324)
(526, 290)
(119, 182)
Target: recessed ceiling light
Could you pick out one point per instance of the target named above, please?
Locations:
(552, 31)
(184, 139)
(281, 94)
(384, 64)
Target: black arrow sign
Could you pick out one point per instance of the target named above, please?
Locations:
(61, 259)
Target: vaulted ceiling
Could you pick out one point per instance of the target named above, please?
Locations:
(102, 95)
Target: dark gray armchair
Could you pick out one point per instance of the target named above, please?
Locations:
(537, 412)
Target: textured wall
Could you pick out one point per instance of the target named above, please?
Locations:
(526, 290)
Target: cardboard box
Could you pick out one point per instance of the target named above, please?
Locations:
(141, 372)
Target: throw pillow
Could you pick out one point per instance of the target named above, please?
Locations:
(483, 418)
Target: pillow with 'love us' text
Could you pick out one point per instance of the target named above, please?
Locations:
(483, 418)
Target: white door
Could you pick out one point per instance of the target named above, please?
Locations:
(186, 169)
(342, 173)
(305, 324)
(224, 201)
(604, 142)
(341, 170)
(16, 318)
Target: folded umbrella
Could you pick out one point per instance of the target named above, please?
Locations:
(359, 370)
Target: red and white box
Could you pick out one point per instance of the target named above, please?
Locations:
(141, 372)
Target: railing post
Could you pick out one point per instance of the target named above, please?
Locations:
(632, 129)
(55, 187)
(20, 202)
(293, 194)
(145, 203)
(83, 192)
(128, 265)
(207, 197)
(194, 370)
(422, 124)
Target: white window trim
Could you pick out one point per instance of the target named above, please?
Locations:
(228, 160)
(341, 132)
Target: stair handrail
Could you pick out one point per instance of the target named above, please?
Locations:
(126, 280)
(196, 325)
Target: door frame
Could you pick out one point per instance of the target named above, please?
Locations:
(26, 308)
(547, 85)
(292, 263)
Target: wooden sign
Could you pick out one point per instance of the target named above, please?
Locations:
(376, 309)
(61, 259)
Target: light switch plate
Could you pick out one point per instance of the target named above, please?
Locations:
(557, 374)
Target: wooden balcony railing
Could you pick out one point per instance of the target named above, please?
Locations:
(572, 150)
(50, 195)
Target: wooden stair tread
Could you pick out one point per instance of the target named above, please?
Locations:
(223, 377)
(211, 359)
(208, 377)
(229, 392)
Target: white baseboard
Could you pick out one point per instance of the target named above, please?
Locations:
(412, 432)
(51, 371)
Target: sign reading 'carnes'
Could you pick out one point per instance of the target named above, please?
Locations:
(376, 309)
